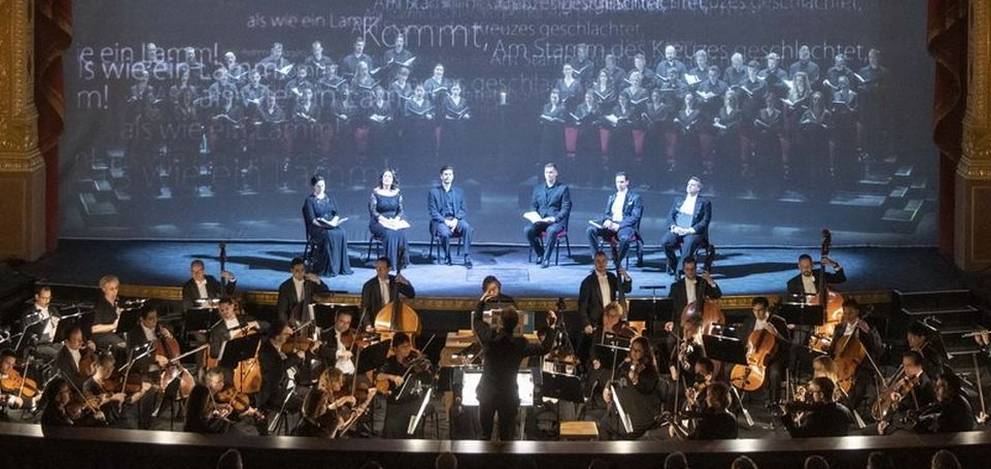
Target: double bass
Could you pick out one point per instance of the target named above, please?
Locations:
(750, 377)
(397, 316)
(710, 312)
(832, 302)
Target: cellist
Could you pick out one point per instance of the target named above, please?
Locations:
(848, 334)
(763, 319)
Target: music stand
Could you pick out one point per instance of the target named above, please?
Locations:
(200, 319)
(237, 350)
(617, 352)
(725, 349)
(563, 386)
(802, 313)
(649, 310)
(128, 320)
(372, 356)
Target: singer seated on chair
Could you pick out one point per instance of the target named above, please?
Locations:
(688, 224)
(622, 216)
(448, 215)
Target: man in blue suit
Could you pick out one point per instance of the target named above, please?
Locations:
(622, 215)
(552, 202)
(448, 214)
(688, 224)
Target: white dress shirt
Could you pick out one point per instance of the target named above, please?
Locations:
(201, 288)
(604, 291)
(51, 324)
(149, 333)
(690, 284)
(343, 362)
(688, 206)
(299, 288)
(617, 207)
(76, 356)
(384, 291)
(809, 284)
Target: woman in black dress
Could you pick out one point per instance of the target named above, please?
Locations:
(385, 208)
(323, 229)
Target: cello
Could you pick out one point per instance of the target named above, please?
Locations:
(763, 345)
(831, 301)
(397, 316)
(711, 313)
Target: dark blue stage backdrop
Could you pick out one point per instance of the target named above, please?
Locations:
(161, 143)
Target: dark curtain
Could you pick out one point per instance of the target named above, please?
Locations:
(947, 44)
(52, 36)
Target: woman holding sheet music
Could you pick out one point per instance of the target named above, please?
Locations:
(323, 229)
(385, 208)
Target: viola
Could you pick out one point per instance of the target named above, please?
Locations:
(14, 383)
(113, 383)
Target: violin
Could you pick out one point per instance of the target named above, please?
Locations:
(890, 397)
(298, 344)
(113, 384)
(20, 386)
(231, 400)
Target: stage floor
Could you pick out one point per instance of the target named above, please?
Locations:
(262, 266)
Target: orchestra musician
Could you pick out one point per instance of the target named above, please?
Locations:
(58, 409)
(123, 407)
(15, 396)
(296, 293)
(321, 405)
(448, 215)
(688, 360)
(552, 202)
(688, 224)
(911, 393)
(715, 421)
(636, 387)
(492, 288)
(763, 319)
(599, 289)
(39, 323)
(503, 351)
(377, 291)
(857, 330)
(689, 289)
(231, 326)
(621, 220)
(818, 415)
(106, 315)
(336, 352)
(927, 341)
(202, 286)
(76, 357)
(405, 372)
(951, 412)
(201, 413)
(277, 370)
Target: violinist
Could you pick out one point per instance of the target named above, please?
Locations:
(16, 391)
(57, 409)
(39, 323)
(202, 415)
(598, 290)
(231, 326)
(951, 412)
(492, 289)
(715, 421)
(377, 291)
(76, 358)
(775, 363)
(818, 414)
(338, 351)
(405, 374)
(908, 394)
(277, 372)
(224, 407)
(126, 405)
(927, 341)
(106, 314)
(504, 351)
(613, 326)
(636, 384)
(687, 351)
(321, 405)
(854, 329)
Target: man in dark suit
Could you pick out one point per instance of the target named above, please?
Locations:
(775, 364)
(621, 219)
(229, 327)
(690, 289)
(70, 356)
(39, 324)
(824, 417)
(688, 224)
(275, 366)
(552, 203)
(202, 286)
(448, 213)
(599, 288)
(808, 280)
(379, 290)
(296, 293)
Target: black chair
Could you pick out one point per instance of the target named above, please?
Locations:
(312, 248)
(373, 241)
(434, 238)
(636, 240)
(557, 252)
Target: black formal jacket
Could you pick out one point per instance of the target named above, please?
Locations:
(213, 288)
(953, 416)
(632, 210)
(219, 334)
(832, 419)
(68, 367)
(590, 297)
(871, 341)
(437, 208)
(288, 300)
(371, 297)
(273, 369)
(554, 201)
(784, 343)
(30, 315)
(701, 217)
(716, 426)
(795, 283)
(679, 295)
(503, 355)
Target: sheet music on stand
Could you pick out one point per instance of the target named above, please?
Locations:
(799, 310)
